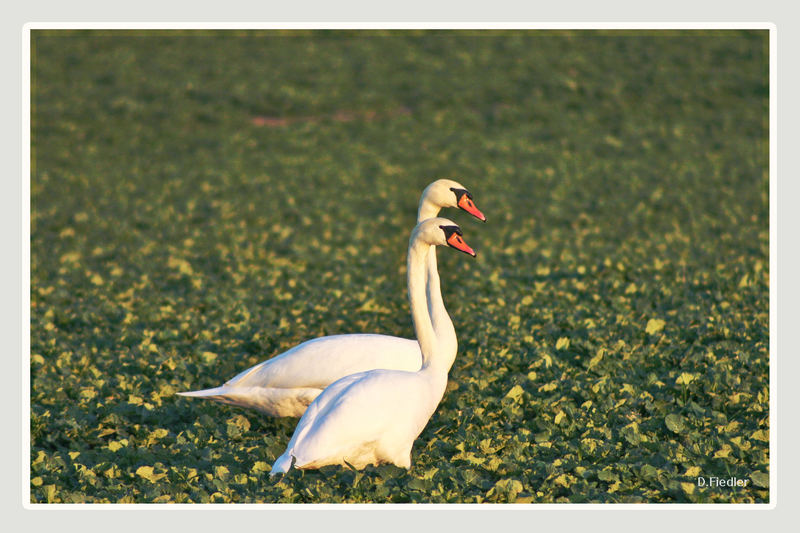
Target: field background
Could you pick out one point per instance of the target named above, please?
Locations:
(201, 201)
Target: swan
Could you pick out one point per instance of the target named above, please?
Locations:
(286, 384)
(374, 417)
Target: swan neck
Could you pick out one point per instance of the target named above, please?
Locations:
(427, 209)
(442, 324)
(417, 262)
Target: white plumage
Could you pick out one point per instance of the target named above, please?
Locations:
(374, 417)
(286, 384)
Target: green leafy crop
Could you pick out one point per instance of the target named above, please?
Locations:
(201, 201)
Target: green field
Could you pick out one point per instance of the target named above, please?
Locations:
(202, 201)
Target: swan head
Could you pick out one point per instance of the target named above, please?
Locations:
(439, 231)
(448, 193)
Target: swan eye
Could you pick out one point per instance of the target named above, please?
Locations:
(460, 194)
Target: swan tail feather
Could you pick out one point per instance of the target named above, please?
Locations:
(205, 393)
(271, 401)
(283, 464)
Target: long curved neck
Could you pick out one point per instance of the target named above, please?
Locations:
(442, 324)
(427, 209)
(417, 262)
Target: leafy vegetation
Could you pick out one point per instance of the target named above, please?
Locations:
(201, 201)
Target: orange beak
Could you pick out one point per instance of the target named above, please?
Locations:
(469, 206)
(457, 242)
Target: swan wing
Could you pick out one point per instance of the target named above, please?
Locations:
(319, 362)
(355, 412)
(285, 385)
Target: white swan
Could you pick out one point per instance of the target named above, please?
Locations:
(373, 417)
(286, 384)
